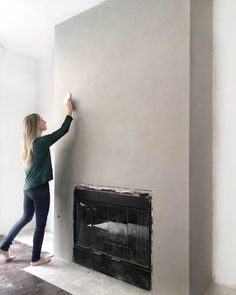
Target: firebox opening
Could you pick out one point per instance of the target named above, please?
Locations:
(112, 232)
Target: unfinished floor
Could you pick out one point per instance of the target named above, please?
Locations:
(70, 277)
(62, 277)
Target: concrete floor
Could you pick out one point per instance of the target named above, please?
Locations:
(220, 290)
(14, 280)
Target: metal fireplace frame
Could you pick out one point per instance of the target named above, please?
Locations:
(124, 269)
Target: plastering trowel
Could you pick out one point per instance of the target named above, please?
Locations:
(68, 96)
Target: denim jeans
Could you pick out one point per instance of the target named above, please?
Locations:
(36, 200)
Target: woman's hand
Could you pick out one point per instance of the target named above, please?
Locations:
(69, 107)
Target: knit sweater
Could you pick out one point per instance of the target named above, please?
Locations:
(39, 170)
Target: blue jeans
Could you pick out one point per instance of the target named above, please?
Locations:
(36, 200)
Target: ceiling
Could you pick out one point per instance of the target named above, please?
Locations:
(27, 26)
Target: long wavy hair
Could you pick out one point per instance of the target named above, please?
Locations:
(30, 131)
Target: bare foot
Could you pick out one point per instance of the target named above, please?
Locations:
(49, 256)
(6, 255)
(41, 261)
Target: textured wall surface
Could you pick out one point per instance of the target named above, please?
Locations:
(201, 140)
(127, 66)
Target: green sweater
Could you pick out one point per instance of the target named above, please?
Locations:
(40, 168)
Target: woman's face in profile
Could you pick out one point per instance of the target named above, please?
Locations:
(42, 125)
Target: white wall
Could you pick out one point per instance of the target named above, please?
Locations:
(224, 267)
(26, 86)
(46, 109)
(18, 98)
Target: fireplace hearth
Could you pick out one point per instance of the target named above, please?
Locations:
(112, 232)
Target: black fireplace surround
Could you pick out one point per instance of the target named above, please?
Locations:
(112, 233)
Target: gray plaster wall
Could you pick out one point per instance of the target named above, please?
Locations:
(127, 65)
(201, 140)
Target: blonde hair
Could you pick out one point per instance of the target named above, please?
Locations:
(29, 133)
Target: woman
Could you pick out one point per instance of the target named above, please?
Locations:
(38, 172)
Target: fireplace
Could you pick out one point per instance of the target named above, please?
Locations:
(112, 232)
